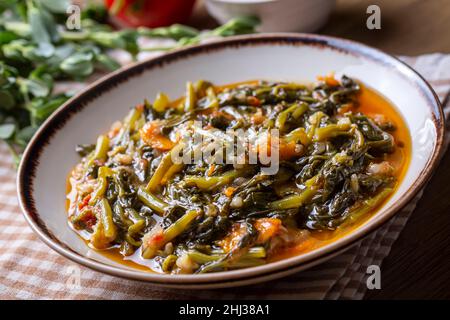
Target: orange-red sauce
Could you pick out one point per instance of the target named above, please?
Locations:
(371, 103)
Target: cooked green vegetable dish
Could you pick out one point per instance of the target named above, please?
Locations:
(316, 161)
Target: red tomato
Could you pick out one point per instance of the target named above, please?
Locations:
(149, 13)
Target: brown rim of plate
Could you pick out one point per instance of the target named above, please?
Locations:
(56, 121)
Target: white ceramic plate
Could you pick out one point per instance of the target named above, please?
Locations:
(291, 57)
(275, 15)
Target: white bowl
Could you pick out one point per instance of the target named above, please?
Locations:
(291, 57)
(275, 15)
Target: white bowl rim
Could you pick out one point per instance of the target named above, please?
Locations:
(56, 122)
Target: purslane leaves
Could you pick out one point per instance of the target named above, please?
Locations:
(37, 50)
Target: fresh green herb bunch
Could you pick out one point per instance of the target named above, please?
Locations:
(37, 49)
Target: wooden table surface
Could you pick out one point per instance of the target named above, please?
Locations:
(419, 263)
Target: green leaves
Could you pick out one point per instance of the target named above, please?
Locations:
(37, 87)
(50, 24)
(79, 64)
(7, 100)
(56, 6)
(106, 62)
(40, 52)
(16, 50)
(108, 39)
(19, 28)
(176, 32)
(39, 31)
(236, 26)
(7, 36)
(7, 130)
(7, 75)
(124, 39)
(38, 84)
(24, 135)
(41, 108)
(94, 11)
(36, 50)
(43, 51)
(185, 35)
(42, 24)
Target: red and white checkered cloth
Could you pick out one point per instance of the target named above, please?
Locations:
(30, 270)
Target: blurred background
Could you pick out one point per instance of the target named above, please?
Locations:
(408, 27)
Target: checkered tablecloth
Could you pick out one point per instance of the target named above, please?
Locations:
(31, 270)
